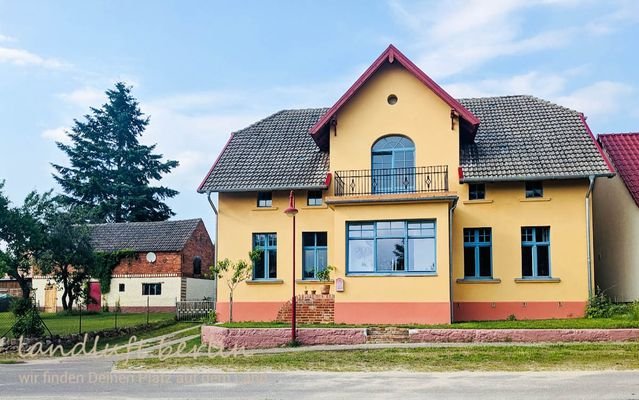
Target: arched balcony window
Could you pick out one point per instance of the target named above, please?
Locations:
(393, 165)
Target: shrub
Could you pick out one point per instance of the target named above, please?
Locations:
(511, 317)
(211, 318)
(601, 306)
(21, 306)
(28, 322)
(633, 311)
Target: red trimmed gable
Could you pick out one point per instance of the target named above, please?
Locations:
(623, 150)
(390, 55)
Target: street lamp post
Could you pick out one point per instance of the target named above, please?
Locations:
(291, 211)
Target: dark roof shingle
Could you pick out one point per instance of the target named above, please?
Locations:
(623, 149)
(524, 137)
(274, 153)
(143, 236)
(519, 137)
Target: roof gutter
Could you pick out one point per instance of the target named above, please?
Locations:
(589, 234)
(450, 261)
(534, 178)
(216, 249)
(266, 189)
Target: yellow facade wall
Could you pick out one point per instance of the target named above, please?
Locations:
(426, 119)
(506, 210)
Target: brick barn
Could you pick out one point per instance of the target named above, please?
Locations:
(171, 263)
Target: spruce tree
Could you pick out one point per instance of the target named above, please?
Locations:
(110, 173)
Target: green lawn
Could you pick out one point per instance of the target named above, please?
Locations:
(426, 359)
(64, 324)
(574, 323)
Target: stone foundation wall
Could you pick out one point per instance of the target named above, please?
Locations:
(521, 335)
(310, 309)
(262, 338)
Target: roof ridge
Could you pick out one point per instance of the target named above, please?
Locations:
(527, 96)
(618, 134)
(146, 222)
(278, 113)
(495, 97)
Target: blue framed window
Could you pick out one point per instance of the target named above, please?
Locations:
(264, 199)
(393, 165)
(534, 189)
(314, 254)
(388, 247)
(535, 252)
(314, 198)
(476, 191)
(478, 253)
(265, 267)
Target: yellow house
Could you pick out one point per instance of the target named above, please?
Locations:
(432, 209)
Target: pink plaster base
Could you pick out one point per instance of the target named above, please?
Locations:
(521, 335)
(262, 338)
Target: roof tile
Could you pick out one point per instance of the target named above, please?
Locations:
(143, 236)
(623, 150)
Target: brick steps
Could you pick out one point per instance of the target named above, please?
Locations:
(311, 309)
(389, 334)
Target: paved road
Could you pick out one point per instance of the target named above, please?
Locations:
(90, 379)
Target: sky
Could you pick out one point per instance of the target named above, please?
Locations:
(203, 69)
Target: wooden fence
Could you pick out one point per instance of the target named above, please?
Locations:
(193, 310)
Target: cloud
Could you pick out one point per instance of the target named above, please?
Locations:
(23, 57)
(454, 36)
(56, 134)
(84, 97)
(599, 98)
(533, 82)
(5, 38)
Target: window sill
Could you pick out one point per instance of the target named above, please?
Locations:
(265, 208)
(313, 282)
(378, 274)
(265, 282)
(478, 280)
(483, 201)
(534, 199)
(537, 280)
(322, 207)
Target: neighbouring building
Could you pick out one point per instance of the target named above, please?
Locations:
(171, 263)
(10, 286)
(432, 209)
(616, 217)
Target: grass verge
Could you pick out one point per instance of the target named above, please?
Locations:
(429, 359)
(66, 324)
(573, 323)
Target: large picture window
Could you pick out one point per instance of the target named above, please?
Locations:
(315, 254)
(391, 247)
(477, 253)
(535, 252)
(265, 267)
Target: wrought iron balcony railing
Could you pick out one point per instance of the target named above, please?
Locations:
(391, 180)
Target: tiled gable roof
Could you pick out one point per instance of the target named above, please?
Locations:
(623, 149)
(523, 137)
(143, 236)
(519, 137)
(274, 153)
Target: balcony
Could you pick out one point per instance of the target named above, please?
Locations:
(391, 181)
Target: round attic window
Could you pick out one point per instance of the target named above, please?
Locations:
(151, 257)
(392, 99)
